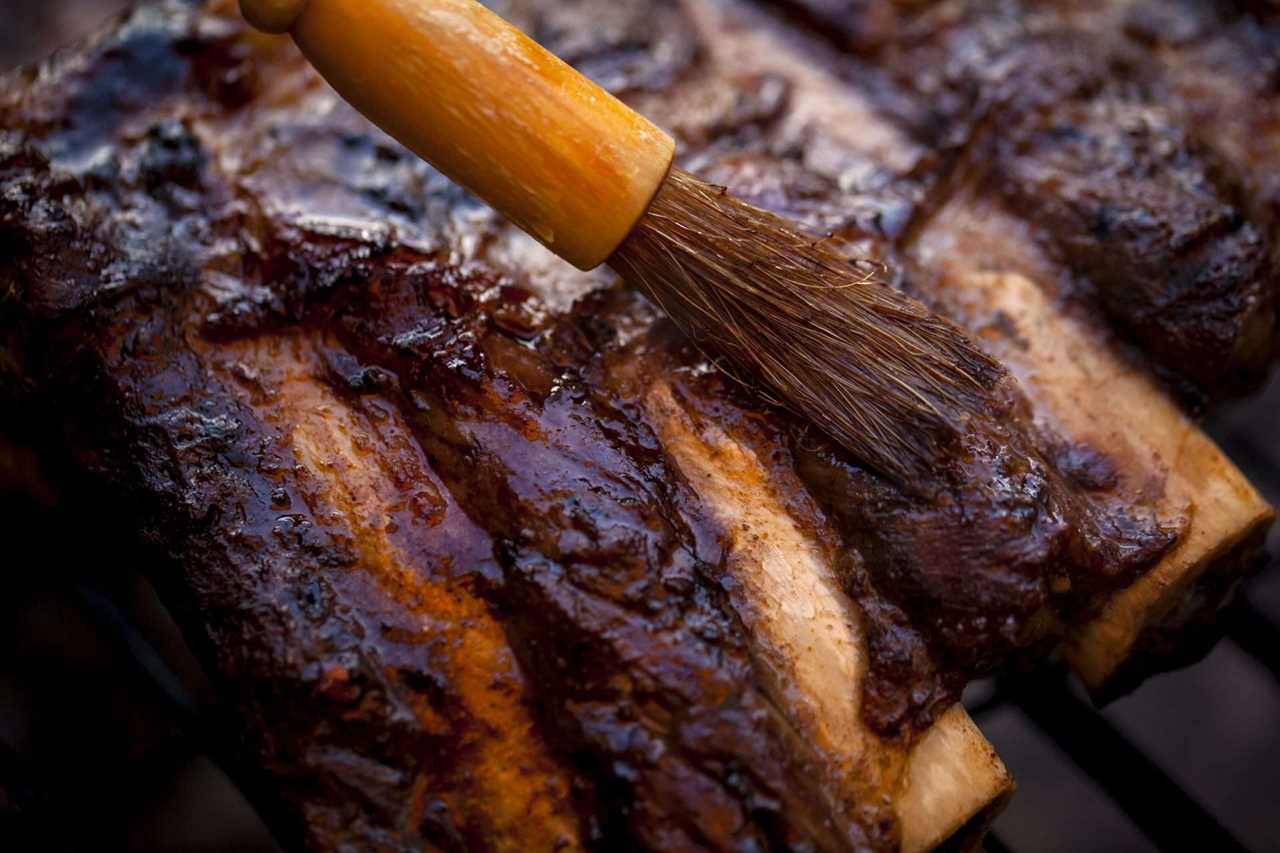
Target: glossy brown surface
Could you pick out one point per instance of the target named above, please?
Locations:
(411, 471)
(1136, 136)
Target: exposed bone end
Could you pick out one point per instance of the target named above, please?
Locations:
(955, 785)
(808, 636)
(1152, 622)
(1082, 388)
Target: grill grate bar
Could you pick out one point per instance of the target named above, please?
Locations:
(1256, 459)
(1257, 636)
(199, 726)
(986, 704)
(111, 621)
(992, 843)
(28, 820)
(1170, 817)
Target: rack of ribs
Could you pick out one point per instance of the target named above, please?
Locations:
(484, 555)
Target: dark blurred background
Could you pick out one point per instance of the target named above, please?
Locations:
(109, 733)
(105, 739)
(31, 29)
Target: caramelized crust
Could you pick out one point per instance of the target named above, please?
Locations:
(1095, 124)
(481, 552)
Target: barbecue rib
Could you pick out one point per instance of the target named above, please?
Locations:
(949, 230)
(1082, 131)
(485, 555)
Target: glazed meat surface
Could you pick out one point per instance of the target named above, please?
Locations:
(423, 525)
(1123, 129)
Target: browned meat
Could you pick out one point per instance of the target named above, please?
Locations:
(989, 552)
(426, 527)
(1087, 142)
(1221, 65)
(604, 591)
(1124, 197)
(502, 631)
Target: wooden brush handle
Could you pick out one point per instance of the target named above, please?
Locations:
(486, 105)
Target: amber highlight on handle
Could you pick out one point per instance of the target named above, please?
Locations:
(566, 161)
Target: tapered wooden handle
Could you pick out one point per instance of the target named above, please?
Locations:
(486, 105)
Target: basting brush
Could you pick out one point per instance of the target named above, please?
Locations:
(593, 181)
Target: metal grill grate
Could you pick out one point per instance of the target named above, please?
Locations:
(1163, 811)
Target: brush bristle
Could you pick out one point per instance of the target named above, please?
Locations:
(886, 378)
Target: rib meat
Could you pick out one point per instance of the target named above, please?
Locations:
(483, 553)
(1082, 131)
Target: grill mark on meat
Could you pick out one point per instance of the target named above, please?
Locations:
(1126, 199)
(630, 47)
